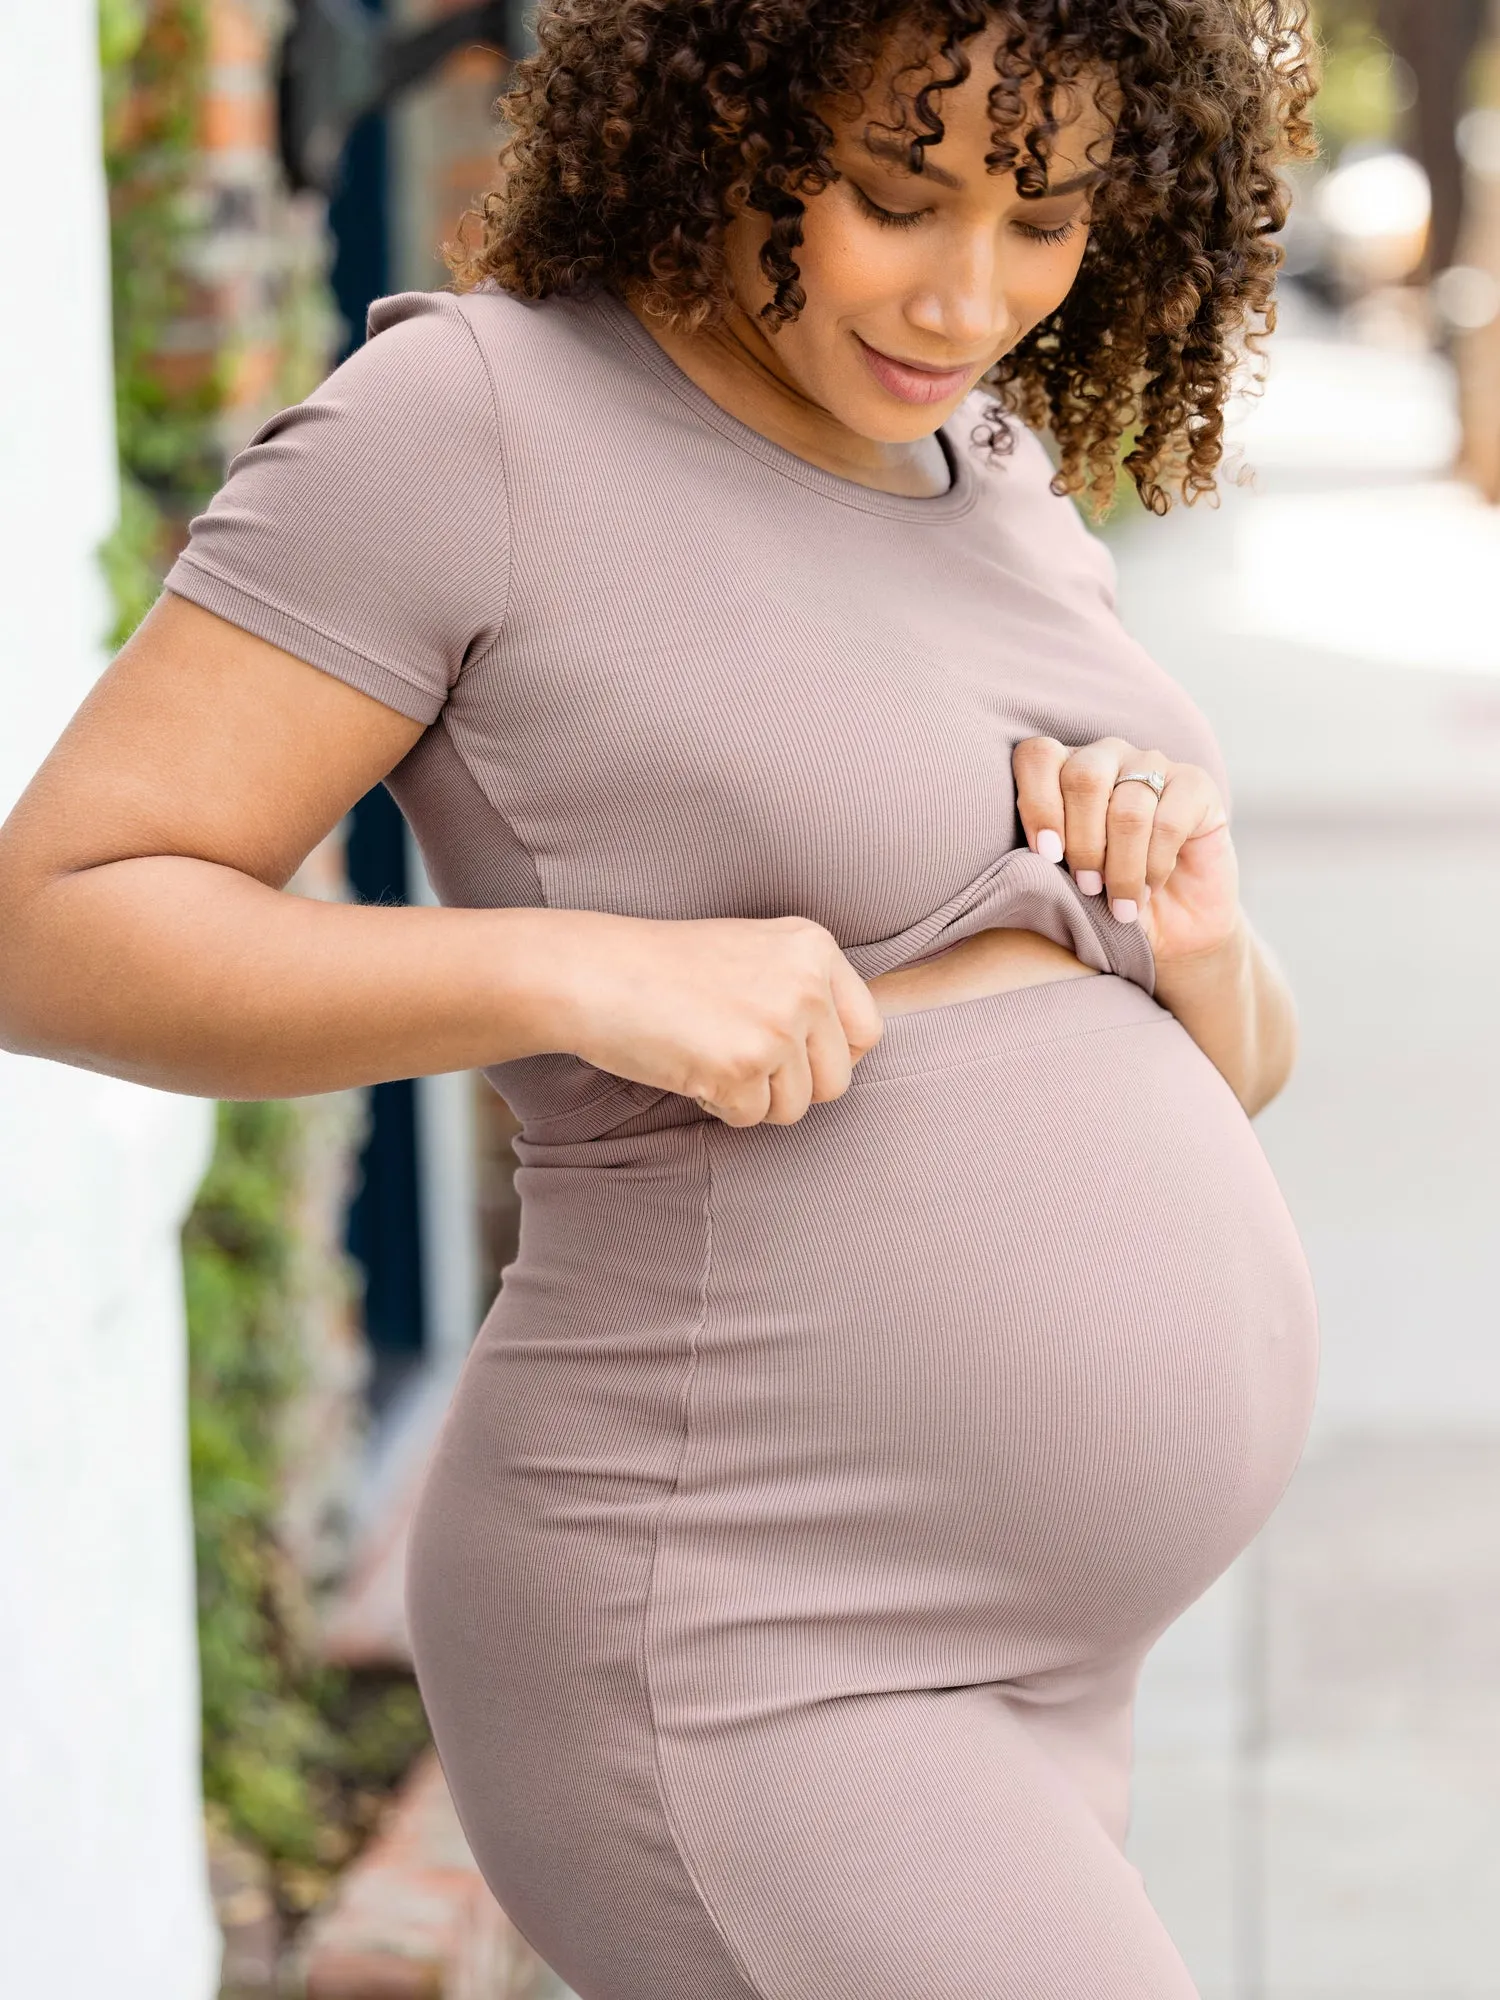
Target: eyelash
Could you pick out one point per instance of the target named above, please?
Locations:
(1059, 235)
(893, 221)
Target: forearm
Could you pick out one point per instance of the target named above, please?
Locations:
(1238, 1008)
(197, 978)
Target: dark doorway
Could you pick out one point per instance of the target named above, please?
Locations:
(384, 1231)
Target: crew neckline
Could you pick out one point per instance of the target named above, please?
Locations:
(955, 500)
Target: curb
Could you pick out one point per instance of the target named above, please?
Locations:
(413, 1918)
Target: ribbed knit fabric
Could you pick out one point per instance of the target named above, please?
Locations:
(811, 1494)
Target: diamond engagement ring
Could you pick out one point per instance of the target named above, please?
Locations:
(1157, 780)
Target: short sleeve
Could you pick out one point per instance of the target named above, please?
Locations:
(364, 529)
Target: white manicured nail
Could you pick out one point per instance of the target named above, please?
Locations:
(1090, 881)
(1123, 908)
(1049, 845)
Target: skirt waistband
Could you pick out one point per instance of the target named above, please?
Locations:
(961, 1031)
(928, 1039)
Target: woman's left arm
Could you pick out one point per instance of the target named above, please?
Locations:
(1167, 862)
(1238, 1008)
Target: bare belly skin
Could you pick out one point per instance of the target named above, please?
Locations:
(992, 961)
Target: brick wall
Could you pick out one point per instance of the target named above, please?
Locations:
(265, 317)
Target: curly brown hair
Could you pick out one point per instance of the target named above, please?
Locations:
(638, 127)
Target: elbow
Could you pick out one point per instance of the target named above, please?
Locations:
(15, 1040)
(23, 1023)
(1275, 1069)
(32, 994)
(16, 1026)
(26, 1030)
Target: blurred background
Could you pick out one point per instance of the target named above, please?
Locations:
(228, 1334)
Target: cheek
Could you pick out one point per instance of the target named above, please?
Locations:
(855, 265)
(1046, 280)
(849, 266)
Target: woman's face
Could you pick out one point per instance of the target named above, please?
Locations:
(917, 284)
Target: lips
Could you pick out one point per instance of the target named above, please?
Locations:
(911, 382)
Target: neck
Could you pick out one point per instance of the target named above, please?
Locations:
(736, 363)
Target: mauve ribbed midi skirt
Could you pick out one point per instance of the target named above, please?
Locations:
(783, 1571)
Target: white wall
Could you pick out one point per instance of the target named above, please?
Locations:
(103, 1881)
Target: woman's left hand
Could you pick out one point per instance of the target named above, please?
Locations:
(1168, 864)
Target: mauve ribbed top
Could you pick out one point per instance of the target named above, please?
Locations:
(669, 668)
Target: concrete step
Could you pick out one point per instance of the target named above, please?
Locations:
(413, 1919)
(363, 1621)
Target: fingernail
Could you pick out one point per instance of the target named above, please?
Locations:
(1049, 845)
(1123, 910)
(1090, 881)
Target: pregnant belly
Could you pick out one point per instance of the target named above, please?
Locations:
(1021, 1322)
(1012, 1345)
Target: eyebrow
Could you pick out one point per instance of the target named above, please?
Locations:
(898, 152)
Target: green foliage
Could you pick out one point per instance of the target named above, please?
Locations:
(293, 1751)
(152, 64)
(263, 1732)
(1125, 503)
(289, 1743)
(151, 95)
(131, 557)
(1360, 98)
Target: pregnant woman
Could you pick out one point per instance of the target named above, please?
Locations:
(906, 1325)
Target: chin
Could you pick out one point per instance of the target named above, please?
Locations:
(888, 422)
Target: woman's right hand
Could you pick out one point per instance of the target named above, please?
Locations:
(756, 1018)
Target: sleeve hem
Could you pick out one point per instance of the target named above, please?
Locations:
(192, 579)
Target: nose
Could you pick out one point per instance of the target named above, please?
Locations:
(965, 304)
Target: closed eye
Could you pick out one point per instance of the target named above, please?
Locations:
(893, 219)
(1061, 234)
(905, 219)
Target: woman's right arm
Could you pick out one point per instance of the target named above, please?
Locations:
(148, 931)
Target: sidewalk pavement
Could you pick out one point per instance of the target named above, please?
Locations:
(1317, 1801)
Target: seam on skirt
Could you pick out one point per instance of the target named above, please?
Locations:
(678, 1844)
